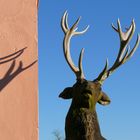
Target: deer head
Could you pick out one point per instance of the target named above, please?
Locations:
(88, 93)
(85, 94)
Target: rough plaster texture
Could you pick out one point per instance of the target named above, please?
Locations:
(18, 70)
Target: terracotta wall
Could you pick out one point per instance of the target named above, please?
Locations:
(18, 70)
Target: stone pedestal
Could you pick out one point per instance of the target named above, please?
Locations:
(18, 70)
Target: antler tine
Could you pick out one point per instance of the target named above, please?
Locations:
(103, 75)
(124, 52)
(134, 49)
(82, 32)
(64, 22)
(80, 63)
(66, 45)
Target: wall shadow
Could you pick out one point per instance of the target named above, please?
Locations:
(11, 73)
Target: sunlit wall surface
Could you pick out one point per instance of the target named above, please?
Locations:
(18, 70)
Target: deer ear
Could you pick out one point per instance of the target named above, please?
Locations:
(104, 100)
(66, 93)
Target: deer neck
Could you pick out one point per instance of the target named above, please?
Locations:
(88, 121)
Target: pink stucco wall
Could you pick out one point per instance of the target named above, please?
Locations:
(18, 70)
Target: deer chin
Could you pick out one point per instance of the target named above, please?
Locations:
(85, 104)
(86, 95)
(86, 99)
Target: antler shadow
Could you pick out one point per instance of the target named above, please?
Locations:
(10, 74)
(11, 56)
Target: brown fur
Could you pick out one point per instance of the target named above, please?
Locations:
(81, 121)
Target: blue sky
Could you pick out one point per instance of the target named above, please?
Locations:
(118, 121)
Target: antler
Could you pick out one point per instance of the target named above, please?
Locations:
(124, 52)
(66, 45)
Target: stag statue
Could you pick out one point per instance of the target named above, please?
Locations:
(81, 121)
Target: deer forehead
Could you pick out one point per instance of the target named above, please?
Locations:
(87, 85)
